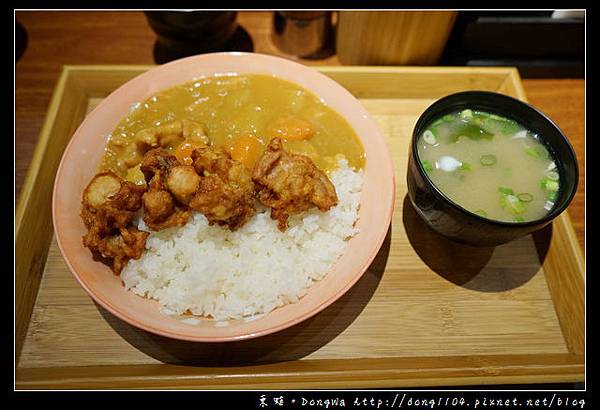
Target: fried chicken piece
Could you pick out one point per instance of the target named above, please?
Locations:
(157, 162)
(225, 192)
(171, 134)
(161, 212)
(158, 205)
(290, 184)
(109, 205)
(161, 209)
(129, 243)
(100, 188)
(183, 182)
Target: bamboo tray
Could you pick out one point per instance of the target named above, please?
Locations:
(426, 313)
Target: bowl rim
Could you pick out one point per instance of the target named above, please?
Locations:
(132, 319)
(554, 212)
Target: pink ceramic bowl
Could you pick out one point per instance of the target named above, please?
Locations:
(82, 156)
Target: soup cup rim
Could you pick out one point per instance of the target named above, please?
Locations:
(419, 125)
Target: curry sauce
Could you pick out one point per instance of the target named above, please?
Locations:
(239, 112)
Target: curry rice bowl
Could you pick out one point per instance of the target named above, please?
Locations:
(210, 271)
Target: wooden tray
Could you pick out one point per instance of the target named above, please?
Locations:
(426, 313)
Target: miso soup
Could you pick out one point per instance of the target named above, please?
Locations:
(490, 165)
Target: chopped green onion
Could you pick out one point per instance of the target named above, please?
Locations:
(471, 131)
(481, 114)
(464, 114)
(448, 118)
(481, 212)
(465, 166)
(434, 127)
(487, 160)
(429, 137)
(539, 151)
(552, 186)
(509, 127)
(512, 203)
(532, 152)
(519, 218)
(426, 166)
(543, 151)
(437, 122)
(525, 197)
(548, 184)
(552, 195)
(485, 119)
(552, 175)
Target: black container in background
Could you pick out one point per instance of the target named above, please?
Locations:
(185, 33)
(539, 45)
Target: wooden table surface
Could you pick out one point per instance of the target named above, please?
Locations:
(59, 38)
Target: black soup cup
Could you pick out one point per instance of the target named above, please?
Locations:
(455, 222)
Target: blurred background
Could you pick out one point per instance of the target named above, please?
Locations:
(540, 43)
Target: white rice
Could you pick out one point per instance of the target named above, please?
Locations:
(211, 271)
